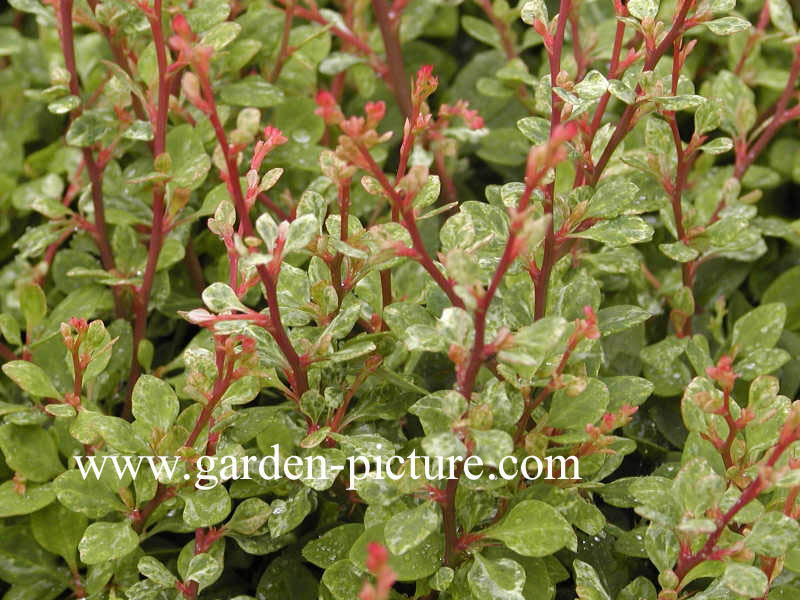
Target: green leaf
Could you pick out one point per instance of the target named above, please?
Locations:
(615, 319)
(190, 163)
(31, 378)
(336, 62)
(640, 588)
(154, 402)
(333, 545)
(533, 343)
(533, 10)
(33, 304)
(698, 487)
(727, 25)
(481, 30)
(501, 578)
(760, 328)
(587, 582)
(88, 496)
(103, 541)
(220, 298)
(760, 362)
(572, 409)
(662, 546)
(643, 8)
(780, 13)
(429, 193)
(252, 91)
(592, 86)
(718, 146)
(10, 329)
(205, 569)
(621, 91)
(59, 530)
(342, 580)
(301, 231)
(286, 577)
(206, 507)
(86, 130)
(783, 289)
(155, 570)
(13, 503)
(678, 251)
(421, 561)
(30, 451)
(288, 514)
(621, 231)
(409, 528)
(683, 102)
(745, 580)
(221, 35)
(773, 534)
(536, 129)
(532, 528)
(625, 389)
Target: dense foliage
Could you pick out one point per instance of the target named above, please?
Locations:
(425, 228)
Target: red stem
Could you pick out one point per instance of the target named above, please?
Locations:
(283, 52)
(6, 353)
(502, 29)
(142, 292)
(95, 172)
(763, 19)
(549, 257)
(314, 15)
(449, 515)
(298, 376)
(781, 116)
(687, 562)
(409, 222)
(394, 55)
(626, 119)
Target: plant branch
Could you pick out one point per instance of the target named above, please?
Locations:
(626, 120)
(283, 52)
(394, 55)
(409, 222)
(298, 377)
(779, 118)
(94, 171)
(142, 292)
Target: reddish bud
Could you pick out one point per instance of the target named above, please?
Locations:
(272, 138)
(723, 373)
(425, 84)
(328, 108)
(460, 109)
(79, 324)
(353, 127)
(181, 27)
(375, 112)
(377, 556)
(588, 327)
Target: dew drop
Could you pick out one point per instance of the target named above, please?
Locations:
(301, 136)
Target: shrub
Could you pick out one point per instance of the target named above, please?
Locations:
(429, 228)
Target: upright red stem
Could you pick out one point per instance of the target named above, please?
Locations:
(625, 121)
(542, 280)
(283, 52)
(298, 375)
(142, 292)
(394, 55)
(780, 116)
(93, 169)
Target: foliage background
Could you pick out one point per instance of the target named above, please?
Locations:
(601, 260)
